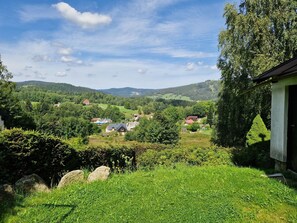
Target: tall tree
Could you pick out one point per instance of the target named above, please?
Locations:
(259, 34)
(10, 108)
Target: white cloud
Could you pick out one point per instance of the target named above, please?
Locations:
(83, 19)
(65, 51)
(142, 71)
(214, 67)
(190, 66)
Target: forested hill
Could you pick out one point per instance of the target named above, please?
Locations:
(128, 91)
(207, 90)
(55, 86)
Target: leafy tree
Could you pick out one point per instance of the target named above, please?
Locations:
(157, 130)
(174, 114)
(258, 132)
(10, 107)
(259, 35)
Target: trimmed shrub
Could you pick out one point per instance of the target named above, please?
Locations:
(117, 158)
(258, 132)
(26, 152)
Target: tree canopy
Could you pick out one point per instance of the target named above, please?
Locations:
(10, 107)
(259, 35)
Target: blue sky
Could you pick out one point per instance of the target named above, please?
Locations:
(112, 43)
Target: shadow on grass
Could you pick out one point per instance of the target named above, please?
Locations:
(258, 156)
(64, 216)
(9, 204)
(8, 201)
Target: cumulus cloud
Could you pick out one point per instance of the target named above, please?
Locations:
(65, 51)
(190, 66)
(83, 19)
(142, 71)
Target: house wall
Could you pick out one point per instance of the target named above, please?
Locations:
(279, 118)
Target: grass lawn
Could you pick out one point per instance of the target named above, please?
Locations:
(183, 194)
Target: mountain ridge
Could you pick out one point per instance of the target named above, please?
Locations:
(207, 90)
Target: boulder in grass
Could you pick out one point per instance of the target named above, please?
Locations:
(31, 183)
(6, 192)
(101, 173)
(71, 177)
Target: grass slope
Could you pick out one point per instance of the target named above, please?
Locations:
(183, 194)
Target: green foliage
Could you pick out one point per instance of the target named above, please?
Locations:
(258, 132)
(10, 107)
(256, 155)
(157, 130)
(207, 90)
(258, 36)
(183, 194)
(193, 127)
(118, 158)
(27, 152)
(189, 155)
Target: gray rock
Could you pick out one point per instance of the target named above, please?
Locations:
(31, 183)
(71, 177)
(6, 192)
(101, 173)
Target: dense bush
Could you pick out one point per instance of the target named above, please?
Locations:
(256, 155)
(27, 152)
(117, 158)
(189, 155)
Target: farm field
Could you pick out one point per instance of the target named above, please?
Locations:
(183, 194)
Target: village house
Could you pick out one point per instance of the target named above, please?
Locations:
(100, 121)
(86, 102)
(131, 125)
(283, 143)
(118, 127)
(191, 119)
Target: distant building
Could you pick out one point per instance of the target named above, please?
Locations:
(118, 127)
(100, 121)
(86, 102)
(191, 119)
(131, 125)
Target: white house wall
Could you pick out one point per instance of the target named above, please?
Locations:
(279, 118)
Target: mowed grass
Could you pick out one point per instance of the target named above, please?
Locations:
(183, 194)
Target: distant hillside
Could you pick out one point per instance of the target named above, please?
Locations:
(128, 91)
(55, 86)
(207, 90)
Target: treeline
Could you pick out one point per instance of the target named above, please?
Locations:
(55, 95)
